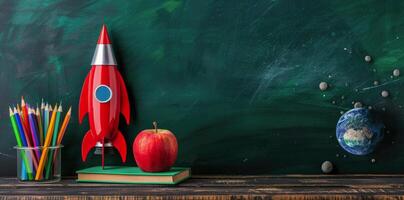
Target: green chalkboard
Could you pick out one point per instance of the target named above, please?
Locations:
(236, 81)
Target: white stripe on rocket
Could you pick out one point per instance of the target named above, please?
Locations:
(103, 55)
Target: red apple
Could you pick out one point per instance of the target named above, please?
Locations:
(155, 150)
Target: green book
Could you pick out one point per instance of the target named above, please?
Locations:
(122, 174)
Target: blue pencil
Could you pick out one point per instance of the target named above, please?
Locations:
(23, 171)
(20, 129)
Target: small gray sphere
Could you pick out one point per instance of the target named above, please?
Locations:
(358, 105)
(396, 72)
(326, 167)
(368, 58)
(385, 93)
(323, 86)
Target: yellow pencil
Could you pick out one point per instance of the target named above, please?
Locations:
(64, 126)
(46, 145)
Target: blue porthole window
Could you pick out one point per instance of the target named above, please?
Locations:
(103, 93)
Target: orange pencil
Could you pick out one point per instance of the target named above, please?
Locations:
(63, 130)
(64, 126)
(48, 140)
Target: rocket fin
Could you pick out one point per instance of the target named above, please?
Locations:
(83, 105)
(119, 143)
(89, 141)
(125, 107)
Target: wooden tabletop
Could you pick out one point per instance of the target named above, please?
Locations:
(220, 187)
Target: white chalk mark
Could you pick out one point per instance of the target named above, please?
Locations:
(376, 86)
(262, 15)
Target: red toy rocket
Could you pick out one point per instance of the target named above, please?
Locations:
(104, 97)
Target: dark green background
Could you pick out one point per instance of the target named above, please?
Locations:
(236, 81)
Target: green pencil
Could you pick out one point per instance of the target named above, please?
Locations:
(15, 129)
(46, 120)
(54, 139)
(39, 121)
(19, 143)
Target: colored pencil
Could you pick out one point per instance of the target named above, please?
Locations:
(42, 107)
(19, 109)
(46, 145)
(23, 171)
(19, 144)
(24, 110)
(25, 163)
(39, 120)
(15, 129)
(64, 126)
(20, 128)
(56, 130)
(54, 139)
(25, 123)
(24, 134)
(42, 114)
(62, 131)
(50, 110)
(34, 131)
(46, 120)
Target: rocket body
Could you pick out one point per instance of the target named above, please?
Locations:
(103, 116)
(104, 98)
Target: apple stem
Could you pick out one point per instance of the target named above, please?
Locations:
(155, 126)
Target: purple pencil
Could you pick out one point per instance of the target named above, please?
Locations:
(34, 130)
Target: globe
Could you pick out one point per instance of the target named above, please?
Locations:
(359, 132)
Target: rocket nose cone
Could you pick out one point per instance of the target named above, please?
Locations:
(104, 38)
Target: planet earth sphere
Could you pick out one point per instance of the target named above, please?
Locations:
(359, 132)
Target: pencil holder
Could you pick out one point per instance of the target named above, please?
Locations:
(39, 164)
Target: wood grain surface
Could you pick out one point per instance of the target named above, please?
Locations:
(219, 187)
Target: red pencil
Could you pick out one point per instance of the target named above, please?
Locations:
(24, 117)
(26, 127)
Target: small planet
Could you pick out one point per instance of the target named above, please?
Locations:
(396, 72)
(358, 105)
(368, 58)
(385, 93)
(358, 132)
(323, 86)
(327, 167)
